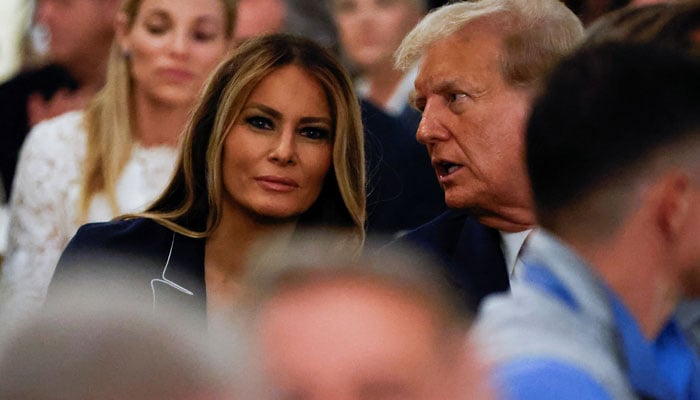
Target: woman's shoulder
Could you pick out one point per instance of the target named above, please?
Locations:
(58, 135)
(118, 245)
(118, 232)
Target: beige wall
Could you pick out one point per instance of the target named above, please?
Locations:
(14, 18)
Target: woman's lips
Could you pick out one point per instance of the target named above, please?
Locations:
(177, 74)
(277, 183)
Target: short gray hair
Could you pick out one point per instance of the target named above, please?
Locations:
(319, 255)
(537, 34)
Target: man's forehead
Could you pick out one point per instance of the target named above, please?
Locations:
(456, 61)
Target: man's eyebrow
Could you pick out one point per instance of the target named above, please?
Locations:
(447, 86)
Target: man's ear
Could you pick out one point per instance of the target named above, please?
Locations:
(675, 195)
(121, 29)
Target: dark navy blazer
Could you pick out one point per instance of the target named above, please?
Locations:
(469, 251)
(150, 261)
(402, 190)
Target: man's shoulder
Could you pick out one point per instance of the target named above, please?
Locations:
(546, 378)
(531, 335)
(446, 227)
(45, 80)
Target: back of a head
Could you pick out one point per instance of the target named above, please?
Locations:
(607, 113)
(347, 321)
(537, 33)
(672, 24)
(88, 347)
(319, 255)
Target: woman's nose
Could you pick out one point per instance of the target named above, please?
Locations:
(283, 151)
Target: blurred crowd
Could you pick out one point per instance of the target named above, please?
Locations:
(349, 199)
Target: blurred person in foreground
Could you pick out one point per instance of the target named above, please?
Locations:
(275, 144)
(613, 154)
(480, 64)
(86, 346)
(670, 24)
(675, 25)
(118, 154)
(80, 34)
(319, 322)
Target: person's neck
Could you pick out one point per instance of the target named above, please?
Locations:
(637, 272)
(512, 217)
(383, 81)
(90, 74)
(228, 247)
(157, 123)
(226, 253)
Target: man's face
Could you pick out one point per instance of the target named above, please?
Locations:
(352, 340)
(258, 17)
(473, 121)
(77, 28)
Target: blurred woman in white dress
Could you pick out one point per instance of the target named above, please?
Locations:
(118, 154)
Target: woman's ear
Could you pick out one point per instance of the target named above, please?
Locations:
(121, 32)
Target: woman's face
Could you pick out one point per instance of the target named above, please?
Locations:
(174, 45)
(371, 30)
(278, 152)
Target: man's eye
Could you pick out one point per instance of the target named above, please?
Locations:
(315, 133)
(259, 123)
(457, 96)
(419, 104)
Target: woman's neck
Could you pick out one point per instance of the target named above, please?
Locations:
(157, 123)
(227, 251)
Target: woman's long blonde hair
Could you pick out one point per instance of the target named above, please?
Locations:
(192, 202)
(108, 120)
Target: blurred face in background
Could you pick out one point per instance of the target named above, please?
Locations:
(371, 30)
(173, 45)
(76, 28)
(258, 17)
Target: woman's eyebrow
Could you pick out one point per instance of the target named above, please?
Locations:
(278, 115)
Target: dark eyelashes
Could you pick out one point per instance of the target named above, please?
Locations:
(259, 122)
(316, 133)
(310, 132)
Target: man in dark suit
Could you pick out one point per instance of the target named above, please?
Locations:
(80, 37)
(475, 84)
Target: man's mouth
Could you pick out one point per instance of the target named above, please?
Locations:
(446, 168)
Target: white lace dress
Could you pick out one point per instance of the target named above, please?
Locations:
(44, 204)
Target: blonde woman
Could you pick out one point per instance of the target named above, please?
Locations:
(274, 145)
(119, 153)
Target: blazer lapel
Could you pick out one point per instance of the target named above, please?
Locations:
(482, 267)
(180, 283)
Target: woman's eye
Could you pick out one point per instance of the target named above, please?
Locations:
(204, 36)
(315, 133)
(259, 123)
(345, 6)
(385, 3)
(156, 29)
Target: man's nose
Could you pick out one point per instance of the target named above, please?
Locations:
(431, 128)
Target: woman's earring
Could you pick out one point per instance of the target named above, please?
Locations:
(126, 53)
